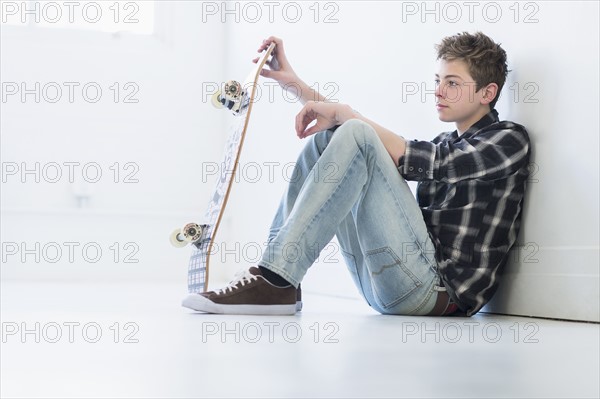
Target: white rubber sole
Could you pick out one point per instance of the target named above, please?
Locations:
(202, 304)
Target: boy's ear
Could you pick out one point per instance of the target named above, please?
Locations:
(489, 93)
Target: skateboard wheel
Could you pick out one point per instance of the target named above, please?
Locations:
(233, 90)
(191, 232)
(177, 239)
(216, 100)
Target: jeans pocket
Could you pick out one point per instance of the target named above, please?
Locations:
(393, 280)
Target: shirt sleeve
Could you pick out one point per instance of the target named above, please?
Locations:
(487, 155)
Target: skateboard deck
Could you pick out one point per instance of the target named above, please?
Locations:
(238, 97)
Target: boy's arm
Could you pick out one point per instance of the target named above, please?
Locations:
(495, 152)
(328, 115)
(281, 71)
(304, 92)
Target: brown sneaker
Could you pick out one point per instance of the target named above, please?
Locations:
(248, 293)
(299, 299)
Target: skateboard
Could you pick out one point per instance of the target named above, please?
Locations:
(237, 97)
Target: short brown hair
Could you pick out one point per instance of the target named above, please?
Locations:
(485, 59)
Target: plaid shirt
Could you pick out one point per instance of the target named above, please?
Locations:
(470, 191)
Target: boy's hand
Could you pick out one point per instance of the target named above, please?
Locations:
(327, 115)
(279, 68)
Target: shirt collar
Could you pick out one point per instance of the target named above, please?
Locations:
(487, 119)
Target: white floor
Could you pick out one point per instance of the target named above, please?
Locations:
(335, 348)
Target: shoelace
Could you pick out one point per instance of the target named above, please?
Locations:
(243, 276)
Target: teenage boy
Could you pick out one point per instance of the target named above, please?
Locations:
(438, 254)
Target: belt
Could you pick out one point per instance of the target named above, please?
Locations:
(443, 305)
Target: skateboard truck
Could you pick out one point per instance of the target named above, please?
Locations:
(190, 233)
(230, 98)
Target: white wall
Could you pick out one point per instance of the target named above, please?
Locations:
(157, 142)
(371, 54)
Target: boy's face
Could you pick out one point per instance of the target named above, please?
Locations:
(456, 98)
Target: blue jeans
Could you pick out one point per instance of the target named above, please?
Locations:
(346, 184)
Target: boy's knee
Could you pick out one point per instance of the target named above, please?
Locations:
(359, 130)
(355, 125)
(319, 141)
